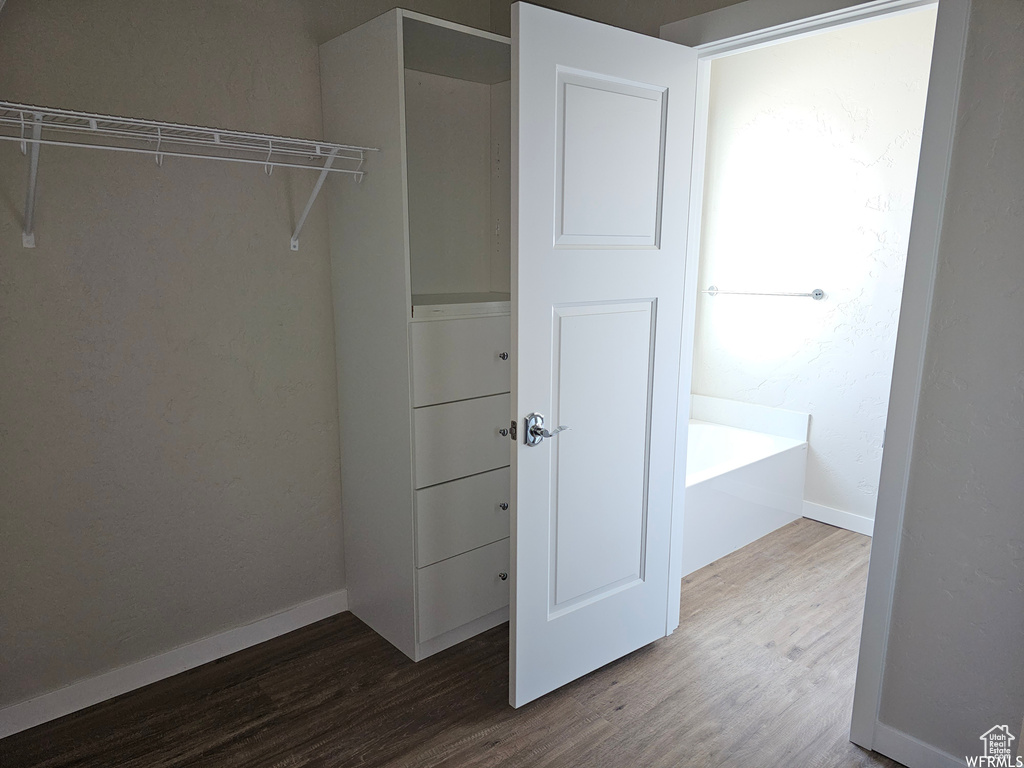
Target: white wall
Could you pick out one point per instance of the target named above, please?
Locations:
(169, 460)
(812, 160)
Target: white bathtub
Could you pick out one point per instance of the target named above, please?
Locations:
(741, 484)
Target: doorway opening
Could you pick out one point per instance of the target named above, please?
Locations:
(810, 147)
(811, 163)
(743, 27)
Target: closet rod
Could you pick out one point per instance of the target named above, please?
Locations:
(33, 126)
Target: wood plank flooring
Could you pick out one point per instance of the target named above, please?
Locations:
(759, 673)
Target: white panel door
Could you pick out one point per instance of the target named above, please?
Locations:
(602, 131)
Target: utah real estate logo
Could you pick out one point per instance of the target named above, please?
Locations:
(998, 750)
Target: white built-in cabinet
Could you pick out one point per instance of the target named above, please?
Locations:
(514, 258)
(421, 271)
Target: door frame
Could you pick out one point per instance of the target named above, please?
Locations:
(759, 23)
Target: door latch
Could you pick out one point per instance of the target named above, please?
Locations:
(535, 432)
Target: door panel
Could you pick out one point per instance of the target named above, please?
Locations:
(610, 161)
(602, 136)
(601, 494)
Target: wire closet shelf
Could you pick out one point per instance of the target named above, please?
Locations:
(33, 126)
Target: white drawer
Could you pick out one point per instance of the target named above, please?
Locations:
(459, 439)
(459, 359)
(455, 591)
(461, 515)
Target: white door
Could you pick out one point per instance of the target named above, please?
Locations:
(602, 124)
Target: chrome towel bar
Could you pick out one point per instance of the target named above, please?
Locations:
(712, 290)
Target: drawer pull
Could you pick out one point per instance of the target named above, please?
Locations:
(503, 575)
(503, 506)
(503, 355)
(503, 432)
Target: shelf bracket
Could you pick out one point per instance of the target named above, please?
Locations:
(28, 233)
(312, 198)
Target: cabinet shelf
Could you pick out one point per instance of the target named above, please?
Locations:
(427, 305)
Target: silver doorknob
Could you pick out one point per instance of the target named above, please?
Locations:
(503, 355)
(503, 432)
(503, 506)
(535, 431)
(503, 576)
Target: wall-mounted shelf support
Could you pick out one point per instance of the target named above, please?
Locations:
(312, 198)
(65, 128)
(28, 230)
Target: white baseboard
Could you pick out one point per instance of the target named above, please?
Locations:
(93, 690)
(912, 752)
(837, 517)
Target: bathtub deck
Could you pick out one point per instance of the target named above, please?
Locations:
(740, 485)
(760, 672)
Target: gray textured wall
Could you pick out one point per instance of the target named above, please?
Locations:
(168, 409)
(644, 16)
(955, 665)
(167, 419)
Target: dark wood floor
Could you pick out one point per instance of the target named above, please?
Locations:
(760, 673)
